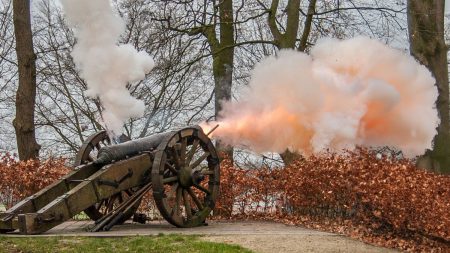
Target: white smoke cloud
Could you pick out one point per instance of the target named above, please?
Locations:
(106, 66)
(345, 93)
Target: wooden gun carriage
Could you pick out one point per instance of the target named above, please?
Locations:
(180, 168)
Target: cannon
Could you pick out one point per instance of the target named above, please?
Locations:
(179, 168)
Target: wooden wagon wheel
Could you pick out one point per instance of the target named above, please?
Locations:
(185, 177)
(89, 150)
(88, 153)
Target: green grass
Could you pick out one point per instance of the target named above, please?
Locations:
(81, 216)
(156, 244)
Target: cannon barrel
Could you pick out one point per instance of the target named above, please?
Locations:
(130, 148)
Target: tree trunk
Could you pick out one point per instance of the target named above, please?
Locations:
(288, 39)
(223, 63)
(289, 157)
(427, 45)
(26, 91)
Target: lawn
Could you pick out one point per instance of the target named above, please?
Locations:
(160, 243)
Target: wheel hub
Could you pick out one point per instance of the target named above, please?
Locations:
(185, 177)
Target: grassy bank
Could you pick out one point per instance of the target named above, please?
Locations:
(163, 244)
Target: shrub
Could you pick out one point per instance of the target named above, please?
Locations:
(380, 195)
(19, 179)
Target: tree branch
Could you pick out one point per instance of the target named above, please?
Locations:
(307, 26)
(272, 21)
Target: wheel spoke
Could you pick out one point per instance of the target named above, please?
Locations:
(195, 199)
(207, 172)
(106, 203)
(110, 206)
(171, 168)
(100, 204)
(201, 188)
(170, 179)
(187, 205)
(183, 151)
(192, 151)
(178, 201)
(199, 160)
(173, 191)
(177, 192)
(176, 158)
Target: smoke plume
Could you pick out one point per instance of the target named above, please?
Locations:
(345, 93)
(106, 66)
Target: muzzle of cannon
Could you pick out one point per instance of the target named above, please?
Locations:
(179, 169)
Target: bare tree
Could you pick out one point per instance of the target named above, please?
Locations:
(288, 39)
(174, 91)
(26, 91)
(426, 35)
(223, 60)
(214, 20)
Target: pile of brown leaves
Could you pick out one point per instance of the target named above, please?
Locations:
(383, 201)
(19, 179)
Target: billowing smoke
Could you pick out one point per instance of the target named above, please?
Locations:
(345, 93)
(106, 66)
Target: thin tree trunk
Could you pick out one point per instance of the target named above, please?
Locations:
(26, 91)
(223, 63)
(427, 45)
(307, 26)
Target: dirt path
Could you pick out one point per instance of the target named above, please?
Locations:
(258, 236)
(297, 243)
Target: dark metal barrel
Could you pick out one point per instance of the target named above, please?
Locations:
(130, 148)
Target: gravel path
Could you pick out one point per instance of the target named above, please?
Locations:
(258, 236)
